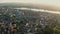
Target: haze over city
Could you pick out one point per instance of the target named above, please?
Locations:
(49, 2)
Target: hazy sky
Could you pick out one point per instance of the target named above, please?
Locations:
(50, 2)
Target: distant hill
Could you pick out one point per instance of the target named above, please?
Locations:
(30, 5)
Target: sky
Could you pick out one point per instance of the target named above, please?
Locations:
(48, 2)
